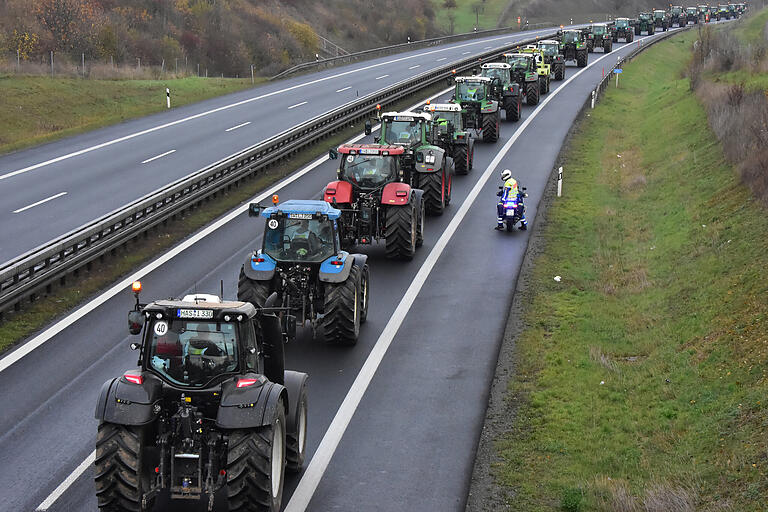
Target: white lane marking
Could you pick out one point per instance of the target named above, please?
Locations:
(249, 100)
(322, 457)
(414, 67)
(382, 76)
(158, 156)
(297, 105)
(464, 53)
(443, 58)
(238, 126)
(487, 47)
(40, 202)
(344, 89)
(63, 486)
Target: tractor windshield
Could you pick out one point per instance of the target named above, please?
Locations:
(691, 10)
(368, 171)
(402, 132)
(299, 239)
(645, 17)
(501, 74)
(443, 118)
(518, 63)
(622, 23)
(677, 10)
(598, 30)
(570, 37)
(658, 14)
(191, 353)
(470, 91)
(549, 49)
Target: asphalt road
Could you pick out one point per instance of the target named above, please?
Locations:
(410, 442)
(47, 201)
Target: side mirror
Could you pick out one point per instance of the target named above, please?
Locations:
(254, 209)
(135, 322)
(523, 189)
(368, 128)
(333, 154)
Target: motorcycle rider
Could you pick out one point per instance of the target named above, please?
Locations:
(511, 190)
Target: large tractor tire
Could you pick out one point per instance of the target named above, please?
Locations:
(400, 232)
(581, 59)
(630, 37)
(248, 290)
(256, 466)
(512, 108)
(296, 441)
(418, 197)
(559, 71)
(461, 158)
(365, 292)
(437, 190)
(548, 84)
(532, 93)
(542, 86)
(121, 474)
(607, 46)
(341, 321)
(491, 127)
(590, 46)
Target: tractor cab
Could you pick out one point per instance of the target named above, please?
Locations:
(472, 89)
(549, 48)
(659, 14)
(622, 23)
(369, 166)
(599, 29)
(447, 116)
(571, 37)
(409, 129)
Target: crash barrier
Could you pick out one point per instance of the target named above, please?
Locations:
(39, 269)
(317, 65)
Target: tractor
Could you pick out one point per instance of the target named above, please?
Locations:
(452, 136)
(644, 24)
(599, 36)
(622, 28)
(543, 69)
(573, 47)
(503, 88)
(429, 167)
(677, 15)
(376, 200)
(732, 11)
(704, 15)
(550, 49)
(722, 12)
(525, 73)
(660, 20)
(691, 15)
(481, 112)
(210, 408)
(301, 260)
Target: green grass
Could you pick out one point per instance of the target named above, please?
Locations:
(752, 29)
(641, 376)
(465, 15)
(37, 109)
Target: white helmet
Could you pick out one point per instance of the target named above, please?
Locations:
(506, 174)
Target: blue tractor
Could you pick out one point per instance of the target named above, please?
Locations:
(302, 261)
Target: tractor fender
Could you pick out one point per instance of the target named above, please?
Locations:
(294, 382)
(389, 196)
(259, 271)
(330, 273)
(126, 403)
(339, 190)
(493, 106)
(362, 259)
(249, 406)
(512, 90)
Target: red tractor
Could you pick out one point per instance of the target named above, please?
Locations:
(376, 199)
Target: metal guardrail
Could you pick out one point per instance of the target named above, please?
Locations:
(397, 48)
(38, 269)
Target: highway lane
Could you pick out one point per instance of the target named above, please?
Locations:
(429, 393)
(98, 181)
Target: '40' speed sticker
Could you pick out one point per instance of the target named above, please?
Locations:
(161, 328)
(272, 223)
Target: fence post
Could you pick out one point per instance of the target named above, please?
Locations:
(51, 63)
(83, 56)
(162, 67)
(139, 59)
(18, 60)
(251, 73)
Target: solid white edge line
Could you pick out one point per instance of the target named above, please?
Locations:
(40, 202)
(158, 156)
(249, 100)
(63, 486)
(298, 105)
(238, 126)
(122, 286)
(344, 89)
(327, 447)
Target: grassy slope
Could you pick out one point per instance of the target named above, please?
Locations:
(39, 109)
(642, 375)
(750, 31)
(465, 15)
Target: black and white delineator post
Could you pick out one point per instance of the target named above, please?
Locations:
(168, 97)
(560, 182)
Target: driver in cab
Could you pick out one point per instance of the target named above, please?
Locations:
(303, 240)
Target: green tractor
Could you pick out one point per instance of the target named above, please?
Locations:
(550, 49)
(573, 47)
(677, 15)
(524, 72)
(732, 14)
(451, 134)
(644, 24)
(660, 20)
(691, 15)
(480, 111)
(599, 36)
(428, 165)
(543, 69)
(704, 13)
(503, 88)
(622, 28)
(722, 12)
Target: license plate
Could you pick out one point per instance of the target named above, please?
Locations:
(369, 151)
(299, 215)
(195, 313)
(510, 212)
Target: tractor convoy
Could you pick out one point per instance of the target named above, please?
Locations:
(211, 408)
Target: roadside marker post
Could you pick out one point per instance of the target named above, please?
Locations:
(593, 99)
(168, 97)
(617, 72)
(560, 180)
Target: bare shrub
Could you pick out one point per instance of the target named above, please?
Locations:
(603, 359)
(669, 498)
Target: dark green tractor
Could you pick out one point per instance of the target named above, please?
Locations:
(660, 20)
(691, 15)
(481, 112)
(574, 47)
(503, 88)
(599, 36)
(451, 134)
(525, 74)
(644, 24)
(622, 28)
(677, 16)
(550, 49)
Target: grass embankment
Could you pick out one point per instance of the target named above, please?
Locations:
(748, 32)
(464, 13)
(37, 109)
(641, 376)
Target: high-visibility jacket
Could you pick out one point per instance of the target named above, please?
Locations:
(510, 190)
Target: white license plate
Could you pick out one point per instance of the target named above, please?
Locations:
(510, 212)
(196, 313)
